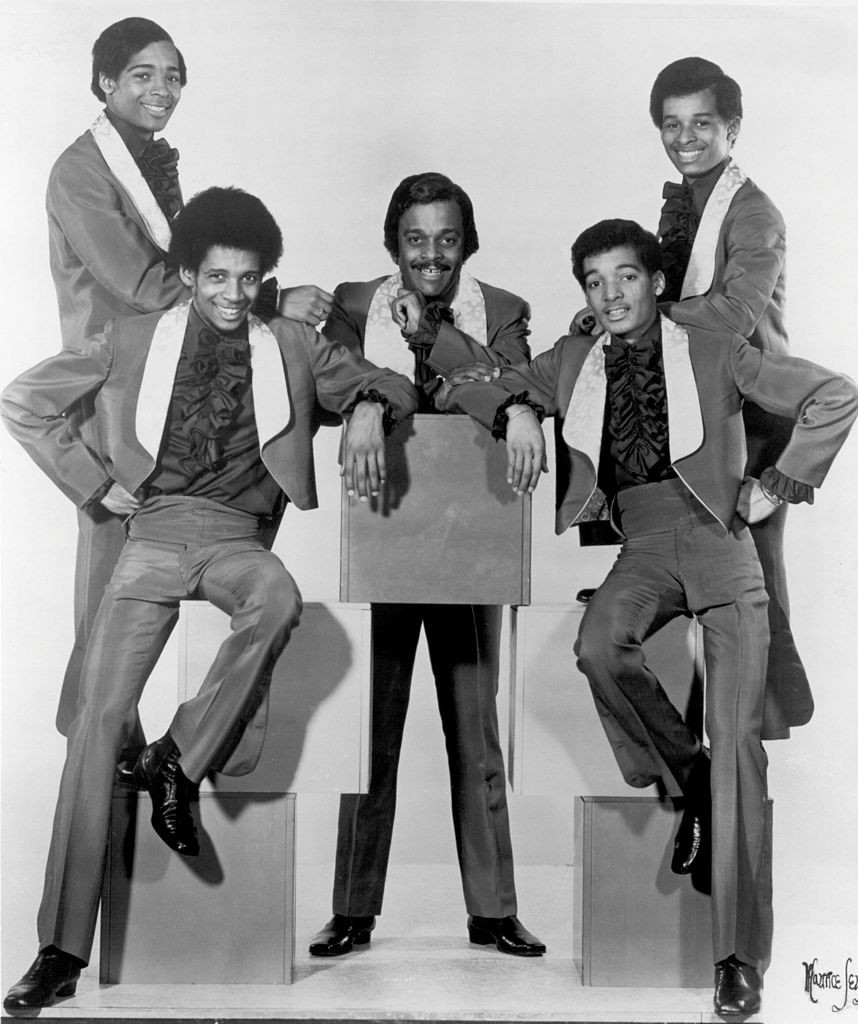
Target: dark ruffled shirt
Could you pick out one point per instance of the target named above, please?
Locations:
(420, 342)
(635, 448)
(677, 227)
(211, 446)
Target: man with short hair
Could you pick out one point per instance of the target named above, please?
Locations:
(426, 318)
(651, 417)
(111, 199)
(201, 433)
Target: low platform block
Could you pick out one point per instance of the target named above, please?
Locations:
(227, 916)
(635, 922)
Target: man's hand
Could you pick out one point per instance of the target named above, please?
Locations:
(118, 501)
(525, 449)
(583, 322)
(467, 374)
(306, 302)
(753, 505)
(406, 310)
(363, 468)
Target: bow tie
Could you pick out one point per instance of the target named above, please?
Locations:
(672, 190)
(619, 355)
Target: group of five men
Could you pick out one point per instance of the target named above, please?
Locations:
(179, 418)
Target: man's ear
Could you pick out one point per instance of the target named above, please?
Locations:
(733, 129)
(107, 84)
(658, 283)
(188, 277)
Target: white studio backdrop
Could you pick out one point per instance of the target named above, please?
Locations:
(540, 111)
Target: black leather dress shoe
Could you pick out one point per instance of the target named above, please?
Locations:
(341, 934)
(737, 988)
(158, 770)
(52, 976)
(694, 836)
(507, 933)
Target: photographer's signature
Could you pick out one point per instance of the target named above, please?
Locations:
(839, 986)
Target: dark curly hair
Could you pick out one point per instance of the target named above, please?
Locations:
(117, 44)
(611, 234)
(429, 187)
(228, 217)
(690, 75)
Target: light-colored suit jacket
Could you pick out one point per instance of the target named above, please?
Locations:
(104, 262)
(707, 376)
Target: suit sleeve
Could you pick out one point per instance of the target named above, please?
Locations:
(115, 250)
(33, 408)
(536, 381)
(756, 249)
(343, 378)
(822, 403)
(507, 345)
(341, 325)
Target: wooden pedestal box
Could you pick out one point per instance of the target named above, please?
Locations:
(227, 916)
(635, 922)
(447, 529)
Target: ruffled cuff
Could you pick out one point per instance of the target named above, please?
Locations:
(265, 306)
(785, 487)
(500, 422)
(388, 421)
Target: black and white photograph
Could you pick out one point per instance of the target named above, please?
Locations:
(427, 531)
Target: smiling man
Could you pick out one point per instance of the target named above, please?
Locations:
(428, 317)
(651, 416)
(203, 419)
(724, 247)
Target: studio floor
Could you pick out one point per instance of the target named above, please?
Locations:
(419, 966)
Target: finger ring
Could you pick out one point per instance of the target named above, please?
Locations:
(319, 312)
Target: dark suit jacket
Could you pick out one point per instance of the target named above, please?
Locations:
(103, 261)
(707, 375)
(507, 317)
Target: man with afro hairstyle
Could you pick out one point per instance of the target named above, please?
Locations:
(203, 419)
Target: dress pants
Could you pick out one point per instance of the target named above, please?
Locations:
(177, 548)
(463, 643)
(677, 560)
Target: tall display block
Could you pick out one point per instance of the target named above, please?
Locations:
(447, 528)
(160, 910)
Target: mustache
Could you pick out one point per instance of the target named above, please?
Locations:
(440, 264)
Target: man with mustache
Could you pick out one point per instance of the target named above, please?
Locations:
(203, 419)
(111, 198)
(428, 317)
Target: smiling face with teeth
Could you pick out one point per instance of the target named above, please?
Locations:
(225, 286)
(431, 249)
(147, 90)
(695, 136)
(620, 292)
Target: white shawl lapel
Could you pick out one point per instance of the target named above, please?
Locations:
(701, 263)
(271, 404)
(383, 341)
(126, 171)
(585, 414)
(684, 418)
